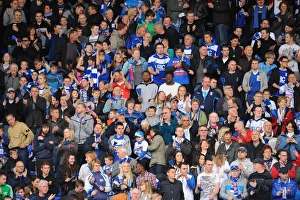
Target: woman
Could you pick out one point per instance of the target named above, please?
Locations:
(190, 129)
(35, 41)
(32, 188)
(213, 125)
(289, 140)
(221, 167)
(204, 149)
(159, 102)
(176, 161)
(146, 190)
(283, 17)
(86, 168)
(267, 152)
(99, 182)
(44, 89)
(157, 149)
(132, 18)
(68, 144)
(124, 181)
(134, 67)
(74, 98)
(184, 100)
(284, 114)
(196, 113)
(5, 64)
(117, 63)
(68, 173)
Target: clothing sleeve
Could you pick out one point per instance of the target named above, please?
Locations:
(29, 135)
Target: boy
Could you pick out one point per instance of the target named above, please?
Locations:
(38, 66)
(148, 22)
(79, 190)
(46, 175)
(4, 144)
(108, 168)
(109, 56)
(141, 146)
(11, 163)
(54, 78)
(24, 71)
(152, 118)
(213, 49)
(104, 29)
(268, 65)
(5, 189)
(112, 116)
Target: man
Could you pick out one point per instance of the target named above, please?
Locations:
(136, 40)
(123, 157)
(172, 32)
(256, 123)
(207, 96)
(222, 103)
(72, 15)
(191, 27)
(8, 14)
(120, 80)
(268, 136)
(187, 180)
(209, 182)
(43, 145)
(11, 80)
(86, 90)
(43, 189)
(135, 194)
(259, 182)
(283, 162)
(235, 187)
(56, 125)
(223, 60)
(68, 49)
(148, 90)
(147, 49)
(35, 110)
(157, 64)
(206, 66)
(232, 77)
(254, 146)
(161, 34)
(229, 148)
(82, 124)
(19, 177)
(284, 187)
(244, 63)
(254, 81)
(66, 109)
(167, 125)
(279, 77)
(171, 188)
(245, 166)
(97, 142)
(24, 51)
(241, 135)
(16, 28)
(203, 135)
(6, 190)
(83, 24)
(117, 37)
(20, 137)
(232, 118)
(263, 24)
(94, 17)
(169, 87)
(264, 44)
(144, 175)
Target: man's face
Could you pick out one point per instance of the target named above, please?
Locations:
(254, 65)
(43, 188)
(34, 92)
(234, 173)
(80, 109)
(171, 173)
(283, 156)
(47, 10)
(146, 77)
(45, 129)
(38, 17)
(258, 112)
(255, 136)
(167, 22)
(98, 129)
(209, 165)
(202, 131)
(184, 169)
(284, 63)
(268, 127)
(206, 82)
(188, 41)
(17, 16)
(169, 78)
(242, 155)
(159, 49)
(264, 34)
(190, 17)
(119, 130)
(14, 5)
(203, 51)
(225, 51)
(2, 180)
(227, 138)
(166, 114)
(20, 167)
(265, 23)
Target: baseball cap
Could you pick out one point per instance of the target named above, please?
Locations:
(234, 167)
(283, 170)
(10, 90)
(173, 99)
(242, 149)
(139, 134)
(121, 111)
(259, 160)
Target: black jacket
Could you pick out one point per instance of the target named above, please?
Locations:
(43, 150)
(103, 146)
(254, 152)
(263, 188)
(35, 117)
(274, 78)
(171, 190)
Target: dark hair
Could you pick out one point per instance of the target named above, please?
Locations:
(119, 124)
(109, 156)
(282, 57)
(169, 168)
(294, 125)
(177, 47)
(149, 12)
(107, 42)
(171, 73)
(265, 29)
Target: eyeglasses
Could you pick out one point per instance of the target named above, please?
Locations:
(25, 40)
(165, 113)
(285, 61)
(283, 155)
(185, 120)
(203, 130)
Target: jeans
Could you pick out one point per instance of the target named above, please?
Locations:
(157, 169)
(222, 34)
(23, 156)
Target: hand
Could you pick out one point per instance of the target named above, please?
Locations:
(67, 119)
(188, 28)
(258, 43)
(94, 192)
(40, 138)
(295, 152)
(204, 71)
(127, 129)
(94, 144)
(241, 167)
(186, 5)
(67, 180)
(101, 188)
(25, 172)
(253, 183)
(174, 144)
(252, 192)
(51, 197)
(240, 88)
(92, 180)
(4, 103)
(278, 193)
(22, 146)
(210, 5)
(51, 142)
(50, 182)
(191, 72)
(270, 6)
(194, 27)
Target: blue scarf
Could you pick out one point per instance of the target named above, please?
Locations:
(234, 186)
(263, 16)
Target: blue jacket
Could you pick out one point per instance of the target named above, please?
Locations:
(167, 131)
(43, 150)
(277, 186)
(289, 146)
(55, 80)
(209, 102)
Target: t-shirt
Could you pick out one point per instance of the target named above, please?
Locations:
(290, 50)
(160, 64)
(207, 184)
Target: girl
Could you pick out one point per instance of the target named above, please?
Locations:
(176, 161)
(6, 61)
(184, 100)
(33, 186)
(68, 174)
(159, 102)
(221, 167)
(146, 190)
(44, 89)
(117, 63)
(284, 114)
(74, 98)
(68, 144)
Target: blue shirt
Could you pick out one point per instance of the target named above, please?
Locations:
(254, 84)
(159, 63)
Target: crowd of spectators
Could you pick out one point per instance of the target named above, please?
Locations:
(140, 100)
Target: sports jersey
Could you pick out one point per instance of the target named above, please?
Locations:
(159, 63)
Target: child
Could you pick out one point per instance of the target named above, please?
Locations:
(268, 104)
(19, 193)
(117, 63)
(54, 78)
(104, 67)
(88, 52)
(213, 49)
(34, 82)
(6, 190)
(109, 161)
(24, 71)
(141, 146)
(10, 165)
(146, 190)
(4, 141)
(268, 65)
(46, 175)
(95, 36)
(132, 115)
(112, 116)
(38, 66)
(104, 29)
(109, 56)
(152, 118)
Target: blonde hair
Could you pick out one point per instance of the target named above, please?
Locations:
(72, 135)
(130, 13)
(128, 175)
(91, 154)
(148, 188)
(216, 159)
